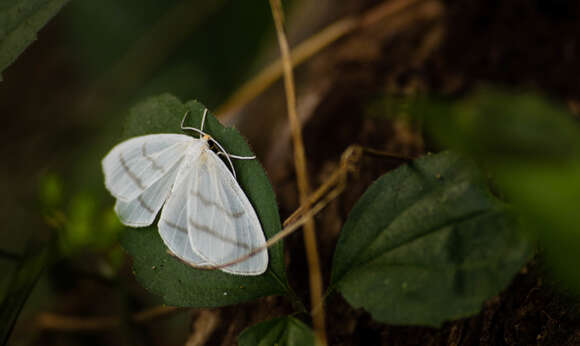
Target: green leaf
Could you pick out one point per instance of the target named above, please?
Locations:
(20, 20)
(282, 331)
(20, 287)
(532, 147)
(547, 196)
(162, 274)
(427, 243)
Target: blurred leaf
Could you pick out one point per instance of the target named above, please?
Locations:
(427, 243)
(20, 287)
(532, 147)
(51, 191)
(20, 20)
(83, 226)
(282, 331)
(495, 124)
(547, 195)
(161, 273)
(79, 230)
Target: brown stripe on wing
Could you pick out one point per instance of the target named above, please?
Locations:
(145, 205)
(154, 164)
(131, 175)
(175, 226)
(210, 231)
(209, 202)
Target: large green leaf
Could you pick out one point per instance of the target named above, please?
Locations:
(532, 147)
(427, 243)
(22, 282)
(162, 274)
(20, 20)
(282, 331)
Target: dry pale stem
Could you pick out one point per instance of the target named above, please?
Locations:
(59, 322)
(302, 175)
(271, 73)
(299, 217)
(333, 187)
(305, 50)
(204, 325)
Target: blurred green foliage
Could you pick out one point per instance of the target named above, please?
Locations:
(531, 147)
(51, 193)
(22, 281)
(189, 48)
(501, 127)
(20, 21)
(81, 223)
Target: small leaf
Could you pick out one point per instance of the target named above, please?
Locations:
(427, 243)
(161, 273)
(282, 331)
(20, 287)
(20, 20)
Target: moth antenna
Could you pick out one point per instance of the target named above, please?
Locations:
(225, 153)
(237, 156)
(201, 133)
(203, 119)
(183, 120)
(222, 151)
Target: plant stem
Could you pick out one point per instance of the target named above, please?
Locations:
(302, 176)
(313, 45)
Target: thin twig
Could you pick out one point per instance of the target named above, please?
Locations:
(386, 154)
(297, 222)
(301, 174)
(52, 321)
(348, 162)
(305, 50)
(271, 73)
(337, 181)
(203, 327)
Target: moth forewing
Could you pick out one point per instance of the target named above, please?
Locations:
(206, 218)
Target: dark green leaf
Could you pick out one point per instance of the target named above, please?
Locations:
(532, 148)
(178, 283)
(282, 331)
(20, 20)
(20, 287)
(427, 243)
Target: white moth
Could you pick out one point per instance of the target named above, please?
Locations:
(207, 220)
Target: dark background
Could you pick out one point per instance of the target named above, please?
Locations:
(64, 102)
